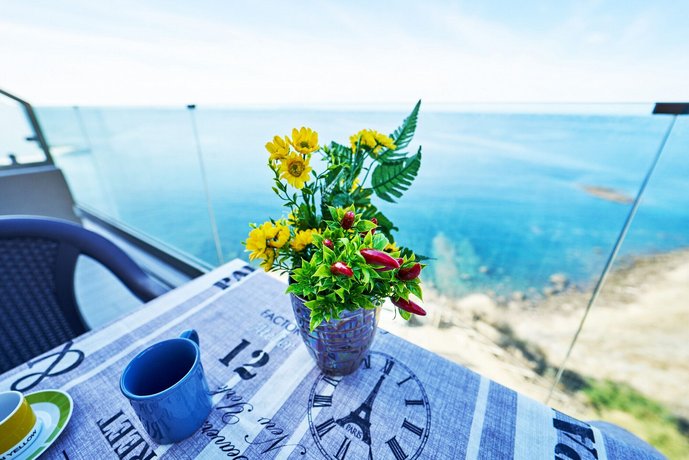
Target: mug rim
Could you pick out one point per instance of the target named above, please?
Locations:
(16, 408)
(162, 393)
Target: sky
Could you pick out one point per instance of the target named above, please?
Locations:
(354, 52)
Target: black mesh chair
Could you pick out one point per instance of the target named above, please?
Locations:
(38, 307)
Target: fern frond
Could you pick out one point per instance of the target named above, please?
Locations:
(404, 134)
(392, 179)
(341, 152)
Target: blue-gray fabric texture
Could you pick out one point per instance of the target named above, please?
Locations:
(271, 402)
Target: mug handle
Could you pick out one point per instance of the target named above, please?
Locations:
(192, 335)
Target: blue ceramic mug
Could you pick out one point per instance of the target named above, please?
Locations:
(166, 387)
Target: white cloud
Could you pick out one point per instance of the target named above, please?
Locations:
(146, 55)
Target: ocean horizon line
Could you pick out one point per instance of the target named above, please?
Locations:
(505, 108)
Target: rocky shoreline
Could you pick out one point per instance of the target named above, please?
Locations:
(636, 333)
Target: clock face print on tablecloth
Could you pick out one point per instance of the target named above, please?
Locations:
(380, 412)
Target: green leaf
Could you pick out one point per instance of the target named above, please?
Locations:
(390, 155)
(415, 289)
(366, 277)
(340, 151)
(365, 225)
(333, 175)
(379, 241)
(404, 314)
(328, 255)
(322, 272)
(362, 198)
(394, 178)
(311, 304)
(404, 134)
(316, 320)
(423, 258)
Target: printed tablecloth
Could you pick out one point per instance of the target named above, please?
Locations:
(271, 402)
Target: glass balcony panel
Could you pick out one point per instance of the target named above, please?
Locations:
(631, 358)
(520, 213)
(71, 151)
(140, 168)
(518, 208)
(17, 134)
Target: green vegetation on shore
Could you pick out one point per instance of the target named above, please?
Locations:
(621, 404)
(612, 402)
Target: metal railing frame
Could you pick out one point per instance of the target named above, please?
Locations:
(38, 132)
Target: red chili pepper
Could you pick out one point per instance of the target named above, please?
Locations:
(400, 261)
(410, 273)
(341, 268)
(408, 305)
(375, 257)
(328, 243)
(348, 220)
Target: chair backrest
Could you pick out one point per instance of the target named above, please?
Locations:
(38, 307)
(36, 190)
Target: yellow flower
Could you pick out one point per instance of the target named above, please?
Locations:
(302, 239)
(363, 138)
(268, 260)
(305, 140)
(391, 247)
(295, 170)
(264, 238)
(256, 243)
(383, 141)
(279, 148)
(371, 140)
(281, 235)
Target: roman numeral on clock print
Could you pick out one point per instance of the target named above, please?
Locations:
(388, 366)
(344, 448)
(402, 382)
(413, 428)
(331, 380)
(325, 427)
(322, 400)
(396, 449)
(413, 402)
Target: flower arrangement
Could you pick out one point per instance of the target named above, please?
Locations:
(333, 233)
(350, 269)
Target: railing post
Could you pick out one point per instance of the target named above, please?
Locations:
(206, 189)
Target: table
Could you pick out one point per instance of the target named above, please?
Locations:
(270, 401)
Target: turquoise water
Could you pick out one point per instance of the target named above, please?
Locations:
(499, 202)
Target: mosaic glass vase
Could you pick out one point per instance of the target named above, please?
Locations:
(339, 345)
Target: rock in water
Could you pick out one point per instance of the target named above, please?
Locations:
(518, 296)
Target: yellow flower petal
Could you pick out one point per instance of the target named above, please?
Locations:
(281, 236)
(295, 170)
(302, 239)
(304, 140)
(278, 148)
(372, 141)
(269, 259)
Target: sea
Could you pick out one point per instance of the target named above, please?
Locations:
(506, 197)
